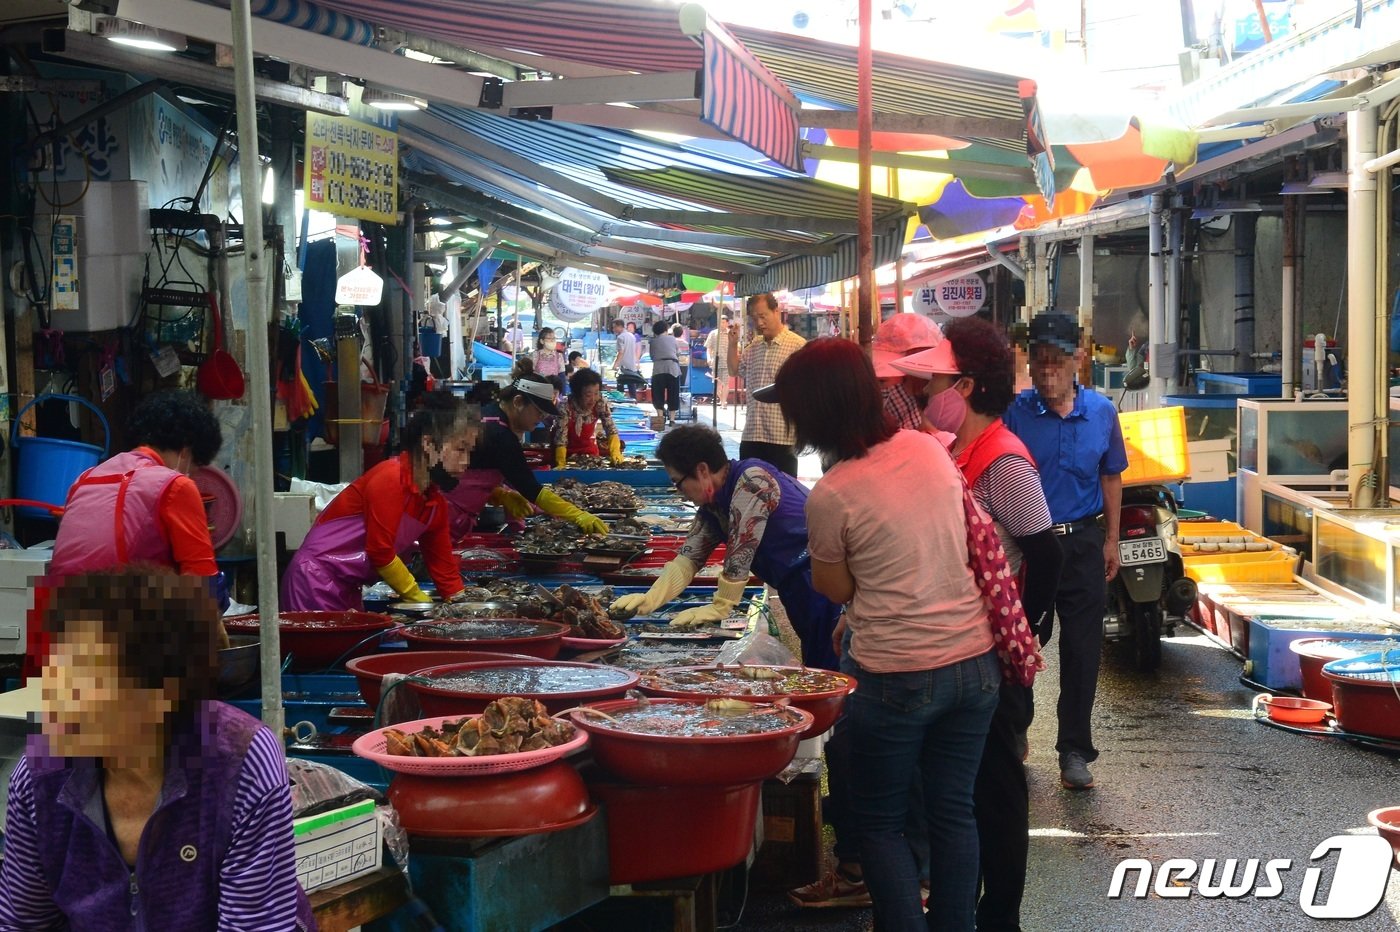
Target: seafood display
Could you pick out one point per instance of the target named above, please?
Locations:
(549, 539)
(642, 658)
(484, 609)
(746, 680)
(715, 718)
(509, 725)
(588, 461)
(483, 629)
(530, 679)
(598, 496)
(586, 615)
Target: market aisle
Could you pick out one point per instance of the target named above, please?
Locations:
(1184, 773)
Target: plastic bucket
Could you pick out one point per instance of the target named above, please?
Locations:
(48, 466)
(430, 341)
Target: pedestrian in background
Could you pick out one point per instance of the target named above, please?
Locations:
(665, 374)
(628, 361)
(1073, 434)
(717, 352)
(767, 434)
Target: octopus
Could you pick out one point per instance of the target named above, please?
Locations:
(508, 725)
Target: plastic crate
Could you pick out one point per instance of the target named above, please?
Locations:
(1270, 567)
(1156, 445)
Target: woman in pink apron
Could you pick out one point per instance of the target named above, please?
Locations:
(586, 416)
(499, 474)
(361, 536)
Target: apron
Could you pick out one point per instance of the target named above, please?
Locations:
(585, 442)
(331, 568)
(467, 499)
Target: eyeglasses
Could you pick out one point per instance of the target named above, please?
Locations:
(677, 482)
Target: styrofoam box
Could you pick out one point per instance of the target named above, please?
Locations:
(19, 569)
(337, 846)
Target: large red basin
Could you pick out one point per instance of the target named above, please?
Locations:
(1314, 652)
(546, 644)
(689, 760)
(440, 700)
(371, 669)
(717, 823)
(317, 640)
(825, 706)
(545, 799)
(1365, 707)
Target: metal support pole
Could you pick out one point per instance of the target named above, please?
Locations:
(1245, 228)
(1361, 309)
(1156, 312)
(1086, 280)
(1288, 306)
(1171, 321)
(259, 383)
(347, 381)
(865, 218)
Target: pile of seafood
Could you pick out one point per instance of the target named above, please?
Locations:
(588, 461)
(598, 496)
(746, 680)
(585, 615)
(507, 726)
(714, 718)
(549, 539)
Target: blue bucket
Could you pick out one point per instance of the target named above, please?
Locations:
(430, 341)
(47, 466)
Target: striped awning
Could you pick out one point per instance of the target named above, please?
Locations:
(805, 197)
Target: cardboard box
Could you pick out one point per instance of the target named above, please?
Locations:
(337, 846)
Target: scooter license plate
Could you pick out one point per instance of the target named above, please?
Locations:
(1133, 552)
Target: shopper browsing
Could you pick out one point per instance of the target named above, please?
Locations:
(628, 362)
(767, 436)
(665, 373)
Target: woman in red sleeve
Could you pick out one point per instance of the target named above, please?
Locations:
(360, 536)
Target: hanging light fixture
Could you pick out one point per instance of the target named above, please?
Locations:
(381, 99)
(139, 35)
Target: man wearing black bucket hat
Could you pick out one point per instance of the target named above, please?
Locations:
(1073, 434)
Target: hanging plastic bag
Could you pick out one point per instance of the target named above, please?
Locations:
(758, 649)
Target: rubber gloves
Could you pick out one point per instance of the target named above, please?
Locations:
(727, 596)
(675, 576)
(554, 506)
(615, 449)
(515, 504)
(398, 576)
(561, 457)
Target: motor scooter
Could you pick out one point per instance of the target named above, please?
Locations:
(1151, 593)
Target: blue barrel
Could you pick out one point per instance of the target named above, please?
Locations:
(48, 466)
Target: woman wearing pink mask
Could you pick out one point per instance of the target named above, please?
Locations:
(971, 382)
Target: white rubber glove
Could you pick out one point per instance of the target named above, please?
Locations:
(675, 576)
(727, 596)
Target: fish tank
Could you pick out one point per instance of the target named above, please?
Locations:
(1352, 549)
(1292, 440)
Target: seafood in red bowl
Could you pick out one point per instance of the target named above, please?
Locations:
(820, 692)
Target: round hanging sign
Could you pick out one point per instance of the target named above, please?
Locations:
(961, 297)
(579, 293)
(925, 300)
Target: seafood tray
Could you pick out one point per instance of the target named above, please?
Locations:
(374, 746)
(613, 497)
(643, 657)
(584, 461)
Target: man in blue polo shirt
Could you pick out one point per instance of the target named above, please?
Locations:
(1074, 436)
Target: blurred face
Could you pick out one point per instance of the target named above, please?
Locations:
(588, 398)
(724, 325)
(1052, 372)
(547, 338)
(455, 455)
(90, 709)
(767, 322)
(523, 414)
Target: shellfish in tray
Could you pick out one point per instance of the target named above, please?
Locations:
(507, 726)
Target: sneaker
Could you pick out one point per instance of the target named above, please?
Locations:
(1074, 772)
(835, 889)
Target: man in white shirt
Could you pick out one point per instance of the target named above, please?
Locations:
(717, 352)
(767, 435)
(628, 362)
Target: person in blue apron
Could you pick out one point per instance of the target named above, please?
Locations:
(757, 511)
(364, 532)
(499, 475)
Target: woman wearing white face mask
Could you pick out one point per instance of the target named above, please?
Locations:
(970, 385)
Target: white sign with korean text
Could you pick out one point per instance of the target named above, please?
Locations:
(961, 297)
(578, 294)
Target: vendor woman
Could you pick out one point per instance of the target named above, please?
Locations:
(586, 426)
(499, 474)
(757, 511)
(361, 536)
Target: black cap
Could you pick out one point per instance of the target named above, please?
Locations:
(1058, 330)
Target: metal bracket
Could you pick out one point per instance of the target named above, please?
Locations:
(492, 93)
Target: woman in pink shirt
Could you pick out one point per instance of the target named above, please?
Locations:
(921, 643)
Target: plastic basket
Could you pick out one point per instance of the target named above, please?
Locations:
(1156, 445)
(1270, 567)
(371, 747)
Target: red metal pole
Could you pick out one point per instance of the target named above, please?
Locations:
(865, 219)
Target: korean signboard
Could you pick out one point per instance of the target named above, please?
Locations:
(578, 294)
(351, 168)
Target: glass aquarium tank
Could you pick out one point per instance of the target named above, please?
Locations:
(1352, 550)
(1288, 439)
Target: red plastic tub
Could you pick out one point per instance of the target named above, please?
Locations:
(1365, 706)
(546, 799)
(689, 760)
(316, 640)
(442, 700)
(1386, 821)
(1314, 652)
(717, 823)
(825, 706)
(545, 642)
(370, 670)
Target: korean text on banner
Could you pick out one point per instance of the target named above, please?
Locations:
(351, 168)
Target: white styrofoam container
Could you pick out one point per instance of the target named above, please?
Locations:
(337, 846)
(19, 570)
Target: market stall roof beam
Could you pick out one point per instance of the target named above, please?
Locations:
(628, 88)
(932, 124)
